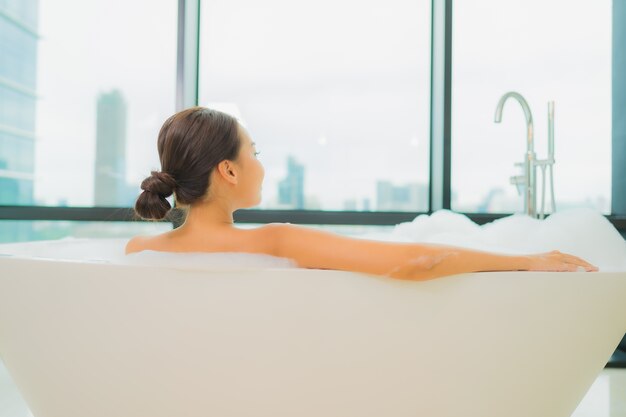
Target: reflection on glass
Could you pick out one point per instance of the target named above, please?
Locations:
(557, 50)
(336, 96)
(18, 57)
(26, 230)
(83, 94)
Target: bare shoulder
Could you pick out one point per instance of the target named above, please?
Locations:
(271, 237)
(296, 241)
(288, 231)
(314, 248)
(270, 229)
(135, 244)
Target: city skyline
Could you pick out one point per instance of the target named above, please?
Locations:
(110, 186)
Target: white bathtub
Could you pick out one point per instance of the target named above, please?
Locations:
(86, 335)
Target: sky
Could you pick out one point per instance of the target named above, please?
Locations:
(344, 86)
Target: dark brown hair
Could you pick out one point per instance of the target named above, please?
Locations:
(191, 143)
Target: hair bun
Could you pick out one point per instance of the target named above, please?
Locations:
(160, 183)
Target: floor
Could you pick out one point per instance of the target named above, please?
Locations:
(605, 398)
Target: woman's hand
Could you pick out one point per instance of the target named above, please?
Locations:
(558, 261)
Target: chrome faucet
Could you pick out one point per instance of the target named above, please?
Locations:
(529, 178)
(530, 202)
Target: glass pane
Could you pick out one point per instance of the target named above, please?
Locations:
(335, 94)
(83, 94)
(547, 51)
(26, 230)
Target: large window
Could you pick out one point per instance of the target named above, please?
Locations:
(84, 88)
(545, 50)
(335, 94)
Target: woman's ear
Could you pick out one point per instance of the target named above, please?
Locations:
(227, 171)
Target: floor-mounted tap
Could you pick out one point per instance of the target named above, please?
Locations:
(530, 201)
(529, 179)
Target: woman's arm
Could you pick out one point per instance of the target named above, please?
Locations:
(312, 248)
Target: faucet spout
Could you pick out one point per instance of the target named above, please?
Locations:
(529, 178)
(529, 117)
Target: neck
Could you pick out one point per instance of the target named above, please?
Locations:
(208, 214)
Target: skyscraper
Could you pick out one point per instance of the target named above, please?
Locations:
(110, 188)
(410, 197)
(291, 188)
(18, 77)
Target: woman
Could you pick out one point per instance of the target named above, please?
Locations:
(209, 163)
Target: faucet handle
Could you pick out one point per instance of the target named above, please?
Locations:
(519, 182)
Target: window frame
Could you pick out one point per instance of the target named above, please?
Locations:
(188, 41)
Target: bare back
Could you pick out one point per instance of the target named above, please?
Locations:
(222, 239)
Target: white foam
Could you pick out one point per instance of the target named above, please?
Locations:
(202, 260)
(582, 232)
(111, 250)
(69, 248)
